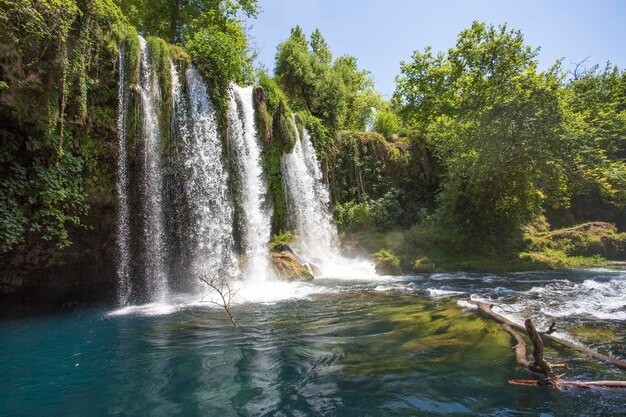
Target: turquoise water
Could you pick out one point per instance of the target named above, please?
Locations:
(386, 347)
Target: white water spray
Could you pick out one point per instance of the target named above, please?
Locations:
(207, 188)
(152, 183)
(256, 214)
(308, 202)
(123, 226)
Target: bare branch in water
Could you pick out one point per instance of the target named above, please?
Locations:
(225, 291)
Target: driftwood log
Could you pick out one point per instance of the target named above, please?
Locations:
(559, 382)
(486, 308)
(540, 365)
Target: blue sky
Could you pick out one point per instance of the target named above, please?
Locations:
(382, 33)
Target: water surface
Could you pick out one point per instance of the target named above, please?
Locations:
(393, 346)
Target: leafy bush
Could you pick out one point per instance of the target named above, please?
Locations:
(386, 123)
(352, 215)
(387, 210)
(281, 238)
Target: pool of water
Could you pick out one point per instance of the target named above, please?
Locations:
(390, 346)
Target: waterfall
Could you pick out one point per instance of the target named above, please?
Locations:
(123, 225)
(308, 206)
(308, 199)
(183, 228)
(256, 213)
(177, 205)
(211, 233)
(155, 277)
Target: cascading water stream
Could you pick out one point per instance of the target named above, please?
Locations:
(200, 212)
(123, 226)
(308, 202)
(152, 184)
(256, 214)
(211, 209)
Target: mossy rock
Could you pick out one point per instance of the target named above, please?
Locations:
(387, 263)
(288, 268)
(423, 265)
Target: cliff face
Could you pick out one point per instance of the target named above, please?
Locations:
(58, 150)
(37, 276)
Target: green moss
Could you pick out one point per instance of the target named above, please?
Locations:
(387, 262)
(424, 330)
(423, 264)
(288, 268)
(276, 126)
(280, 239)
(593, 334)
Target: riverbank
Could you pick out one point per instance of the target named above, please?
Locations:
(588, 245)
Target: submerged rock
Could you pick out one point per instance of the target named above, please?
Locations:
(288, 268)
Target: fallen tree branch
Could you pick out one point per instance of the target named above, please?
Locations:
(520, 352)
(539, 364)
(486, 308)
(558, 383)
(226, 293)
(520, 346)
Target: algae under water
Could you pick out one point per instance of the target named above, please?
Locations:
(391, 346)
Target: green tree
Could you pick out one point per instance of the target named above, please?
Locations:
(219, 48)
(175, 20)
(595, 104)
(494, 123)
(336, 92)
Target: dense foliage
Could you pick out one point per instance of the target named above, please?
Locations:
(494, 123)
(55, 54)
(212, 33)
(513, 141)
(336, 92)
(476, 147)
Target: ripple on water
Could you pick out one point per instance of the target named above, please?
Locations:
(322, 348)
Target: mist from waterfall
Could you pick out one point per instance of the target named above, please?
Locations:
(123, 222)
(155, 277)
(256, 212)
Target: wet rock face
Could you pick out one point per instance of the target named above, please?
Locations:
(38, 277)
(10, 282)
(287, 266)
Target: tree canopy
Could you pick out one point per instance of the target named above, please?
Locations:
(335, 91)
(512, 139)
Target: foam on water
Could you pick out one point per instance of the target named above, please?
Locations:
(245, 292)
(150, 309)
(562, 299)
(443, 293)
